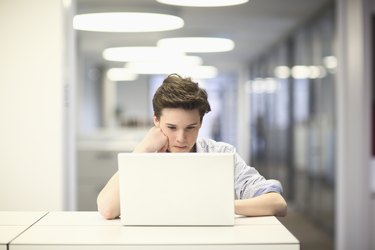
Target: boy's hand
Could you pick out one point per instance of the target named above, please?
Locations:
(154, 141)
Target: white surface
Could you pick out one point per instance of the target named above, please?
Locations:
(264, 220)
(13, 223)
(60, 218)
(87, 230)
(134, 235)
(8, 233)
(19, 218)
(177, 189)
(31, 105)
(160, 247)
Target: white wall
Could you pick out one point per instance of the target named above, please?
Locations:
(31, 98)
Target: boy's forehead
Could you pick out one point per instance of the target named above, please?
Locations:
(178, 110)
(177, 113)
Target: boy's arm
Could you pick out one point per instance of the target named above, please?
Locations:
(262, 205)
(109, 199)
(154, 141)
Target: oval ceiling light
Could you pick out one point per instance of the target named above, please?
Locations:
(126, 22)
(202, 72)
(121, 74)
(197, 44)
(163, 69)
(203, 3)
(142, 53)
(158, 68)
(172, 59)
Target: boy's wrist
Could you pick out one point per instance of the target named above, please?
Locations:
(143, 149)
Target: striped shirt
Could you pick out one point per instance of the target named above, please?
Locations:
(248, 182)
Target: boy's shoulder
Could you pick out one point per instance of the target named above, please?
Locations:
(205, 145)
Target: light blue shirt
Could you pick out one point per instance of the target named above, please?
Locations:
(248, 182)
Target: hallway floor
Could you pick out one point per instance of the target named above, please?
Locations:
(311, 237)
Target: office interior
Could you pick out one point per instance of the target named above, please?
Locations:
(63, 121)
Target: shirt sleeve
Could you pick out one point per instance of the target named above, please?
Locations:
(249, 183)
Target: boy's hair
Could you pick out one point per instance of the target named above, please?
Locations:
(179, 92)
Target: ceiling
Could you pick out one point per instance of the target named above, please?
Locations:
(254, 27)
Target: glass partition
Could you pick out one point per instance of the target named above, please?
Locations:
(292, 91)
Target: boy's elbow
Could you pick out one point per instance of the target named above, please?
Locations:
(106, 211)
(281, 207)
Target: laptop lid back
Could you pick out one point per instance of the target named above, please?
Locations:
(177, 188)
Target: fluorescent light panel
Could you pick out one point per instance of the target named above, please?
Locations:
(197, 44)
(203, 3)
(172, 60)
(127, 54)
(121, 74)
(165, 69)
(126, 22)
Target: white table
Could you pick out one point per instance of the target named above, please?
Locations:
(88, 230)
(12, 224)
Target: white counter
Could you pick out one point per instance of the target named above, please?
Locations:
(87, 230)
(13, 224)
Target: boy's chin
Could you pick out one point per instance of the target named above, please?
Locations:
(179, 150)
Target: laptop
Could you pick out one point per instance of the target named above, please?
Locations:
(176, 189)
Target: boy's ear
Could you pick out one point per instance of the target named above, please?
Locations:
(156, 121)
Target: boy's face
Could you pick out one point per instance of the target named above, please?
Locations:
(180, 126)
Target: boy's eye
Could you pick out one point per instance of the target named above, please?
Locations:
(171, 127)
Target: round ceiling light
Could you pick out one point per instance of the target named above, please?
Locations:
(197, 44)
(203, 3)
(126, 22)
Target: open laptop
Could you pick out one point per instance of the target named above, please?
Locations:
(177, 188)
